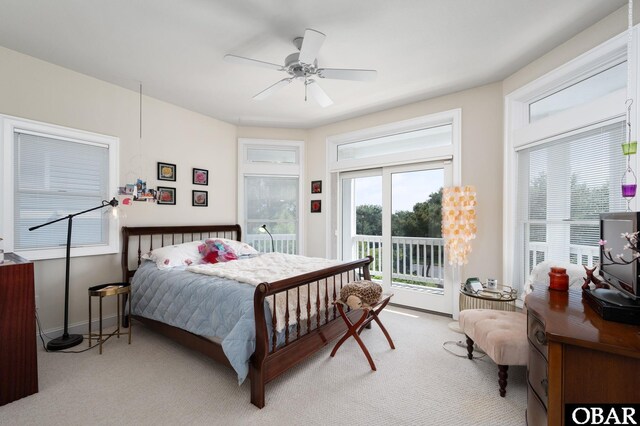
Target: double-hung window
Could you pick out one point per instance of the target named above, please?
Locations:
(564, 162)
(51, 172)
(270, 175)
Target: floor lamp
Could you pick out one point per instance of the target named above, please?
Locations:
(69, 340)
(263, 229)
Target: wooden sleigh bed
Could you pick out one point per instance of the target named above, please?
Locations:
(269, 359)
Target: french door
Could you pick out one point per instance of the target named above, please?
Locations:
(394, 215)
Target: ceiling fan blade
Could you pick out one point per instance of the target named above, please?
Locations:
(311, 44)
(318, 94)
(346, 74)
(272, 89)
(248, 61)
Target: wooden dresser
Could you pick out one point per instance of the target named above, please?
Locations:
(18, 358)
(576, 357)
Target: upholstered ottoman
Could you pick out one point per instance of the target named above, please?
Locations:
(501, 335)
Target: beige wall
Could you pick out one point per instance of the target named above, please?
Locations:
(598, 33)
(481, 166)
(40, 91)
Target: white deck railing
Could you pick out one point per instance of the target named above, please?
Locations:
(284, 243)
(415, 259)
(580, 254)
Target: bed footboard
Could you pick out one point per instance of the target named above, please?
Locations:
(310, 320)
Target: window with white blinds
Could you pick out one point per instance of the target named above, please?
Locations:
(563, 186)
(54, 178)
(48, 173)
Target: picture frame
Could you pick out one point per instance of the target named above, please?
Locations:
(166, 171)
(200, 176)
(316, 206)
(199, 198)
(166, 195)
(316, 187)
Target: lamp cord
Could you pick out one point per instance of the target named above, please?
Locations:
(44, 346)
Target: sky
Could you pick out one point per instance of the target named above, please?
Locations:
(408, 188)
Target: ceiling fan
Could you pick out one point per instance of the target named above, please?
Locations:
(303, 66)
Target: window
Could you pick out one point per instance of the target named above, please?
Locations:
(53, 172)
(426, 138)
(564, 185)
(270, 190)
(563, 160)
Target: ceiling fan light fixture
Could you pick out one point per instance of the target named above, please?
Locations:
(303, 65)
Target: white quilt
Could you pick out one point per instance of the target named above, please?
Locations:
(271, 267)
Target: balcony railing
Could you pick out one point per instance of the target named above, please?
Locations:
(578, 254)
(284, 243)
(415, 260)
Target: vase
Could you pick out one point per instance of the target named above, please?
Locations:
(558, 279)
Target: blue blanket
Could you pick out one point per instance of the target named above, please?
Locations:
(201, 304)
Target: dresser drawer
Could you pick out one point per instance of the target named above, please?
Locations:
(536, 333)
(536, 413)
(537, 374)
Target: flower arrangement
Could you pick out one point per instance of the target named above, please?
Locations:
(633, 244)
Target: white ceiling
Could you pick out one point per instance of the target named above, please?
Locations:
(421, 48)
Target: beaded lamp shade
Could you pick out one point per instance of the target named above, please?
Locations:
(458, 222)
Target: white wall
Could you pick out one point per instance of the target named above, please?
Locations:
(37, 90)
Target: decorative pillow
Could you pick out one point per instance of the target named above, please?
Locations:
(240, 248)
(184, 254)
(214, 251)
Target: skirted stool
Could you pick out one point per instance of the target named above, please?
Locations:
(501, 335)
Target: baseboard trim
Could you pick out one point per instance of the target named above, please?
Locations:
(81, 327)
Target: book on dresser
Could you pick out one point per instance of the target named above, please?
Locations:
(18, 357)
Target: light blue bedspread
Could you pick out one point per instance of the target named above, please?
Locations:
(202, 304)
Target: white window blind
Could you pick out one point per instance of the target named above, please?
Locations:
(563, 186)
(54, 178)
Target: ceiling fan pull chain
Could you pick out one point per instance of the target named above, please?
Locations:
(305, 88)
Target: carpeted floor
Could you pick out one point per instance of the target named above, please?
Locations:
(155, 381)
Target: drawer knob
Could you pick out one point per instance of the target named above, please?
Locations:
(545, 386)
(541, 337)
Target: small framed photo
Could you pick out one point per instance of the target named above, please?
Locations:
(316, 206)
(166, 171)
(166, 195)
(200, 176)
(199, 198)
(316, 187)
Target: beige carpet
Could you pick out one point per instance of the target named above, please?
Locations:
(155, 381)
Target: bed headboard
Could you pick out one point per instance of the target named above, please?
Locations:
(139, 240)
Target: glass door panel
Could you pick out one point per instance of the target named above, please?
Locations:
(399, 208)
(362, 218)
(417, 261)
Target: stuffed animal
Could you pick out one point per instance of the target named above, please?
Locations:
(360, 294)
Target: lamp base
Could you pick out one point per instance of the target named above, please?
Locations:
(62, 342)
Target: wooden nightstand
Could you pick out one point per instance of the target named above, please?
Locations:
(120, 290)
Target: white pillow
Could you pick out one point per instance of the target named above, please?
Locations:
(240, 248)
(184, 254)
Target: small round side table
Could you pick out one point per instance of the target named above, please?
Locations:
(119, 290)
(502, 298)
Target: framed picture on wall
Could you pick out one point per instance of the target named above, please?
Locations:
(316, 206)
(200, 176)
(316, 187)
(166, 195)
(166, 171)
(199, 198)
